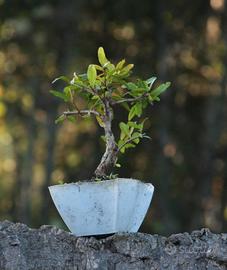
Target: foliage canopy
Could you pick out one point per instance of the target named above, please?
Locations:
(104, 86)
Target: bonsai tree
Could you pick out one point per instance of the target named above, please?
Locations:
(104, 87)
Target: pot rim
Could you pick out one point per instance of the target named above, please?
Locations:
(101, 182)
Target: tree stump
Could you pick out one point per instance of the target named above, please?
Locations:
(22, 248)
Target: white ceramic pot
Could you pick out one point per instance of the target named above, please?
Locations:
(104, 207)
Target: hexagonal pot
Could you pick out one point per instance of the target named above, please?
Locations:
(104, 207)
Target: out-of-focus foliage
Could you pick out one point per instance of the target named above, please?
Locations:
(180, 41)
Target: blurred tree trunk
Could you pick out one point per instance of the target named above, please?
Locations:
(223, 209)
(162, 163)
(17, 181)
(214, 124)
(49, 165)
(223, 122)
(25, 179)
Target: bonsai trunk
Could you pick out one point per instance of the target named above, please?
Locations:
(109, 158)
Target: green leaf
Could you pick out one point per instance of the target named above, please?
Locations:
(71, 118)
(68, 93)
(142, 84)
(122, 149)
(118, 165)
(137, 137)
(136, 140)
(142, 123)
(124, 130)
(120, 143)
(134, 125)
(130, 145)
(91, 75)
(62, 78)
(128, 68)
(60, 119)
(160, 89)
(132, 112)
(95, 97)
(59, 94)
(110, 67)
(83, 76)
(77, 84)
(131, 86)
(146, 136)
(98, 67)
(102, 57)
(151, 80)
(99, 120)
(150, 98)
(120, 64)
(138, 108)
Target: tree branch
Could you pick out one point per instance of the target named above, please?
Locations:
(81, 112)
(130, 99)
(95, 92)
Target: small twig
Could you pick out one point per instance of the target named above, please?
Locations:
(93, 91)
(81, 112)
(130, 99)
(88, 90)
(73, 102)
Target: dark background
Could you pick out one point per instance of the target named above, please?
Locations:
(184, 42)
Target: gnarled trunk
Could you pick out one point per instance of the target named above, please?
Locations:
(109, 158)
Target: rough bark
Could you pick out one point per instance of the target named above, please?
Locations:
(52, 248)
(109, 158)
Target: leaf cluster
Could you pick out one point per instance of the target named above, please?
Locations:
(107, 84)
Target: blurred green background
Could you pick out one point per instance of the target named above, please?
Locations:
(184, 42)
